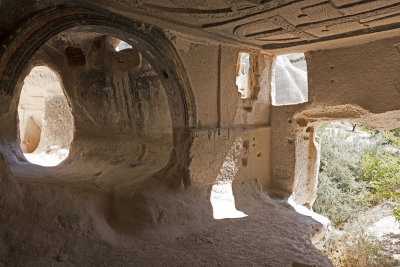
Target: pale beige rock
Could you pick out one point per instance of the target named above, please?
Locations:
(159, 126)
(45, 119)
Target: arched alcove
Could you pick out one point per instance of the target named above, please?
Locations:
(70, 40)
(132, 109)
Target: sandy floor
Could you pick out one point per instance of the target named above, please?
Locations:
(56, 227)
(116, 213)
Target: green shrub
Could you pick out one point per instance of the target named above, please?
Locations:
(341, 187)
(381, 170)
(358, 169)
(355, 247)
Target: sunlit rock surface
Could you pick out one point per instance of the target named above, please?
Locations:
(172, 159)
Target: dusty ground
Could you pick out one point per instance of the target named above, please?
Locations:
(64, 224)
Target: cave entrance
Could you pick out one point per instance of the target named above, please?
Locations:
(45, 119)
(358, 190)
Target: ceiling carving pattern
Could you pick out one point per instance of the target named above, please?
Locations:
(271, 24)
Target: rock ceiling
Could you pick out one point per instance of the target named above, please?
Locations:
(272, 24)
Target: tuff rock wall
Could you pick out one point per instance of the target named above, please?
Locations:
(158, 125)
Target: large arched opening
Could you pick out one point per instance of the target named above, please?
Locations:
(131, 106)
(149, 44)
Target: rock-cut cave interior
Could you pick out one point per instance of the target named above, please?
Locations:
(181, 132)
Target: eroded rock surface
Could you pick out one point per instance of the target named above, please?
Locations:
(159, 128)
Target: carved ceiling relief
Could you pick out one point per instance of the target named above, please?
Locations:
(279, 23)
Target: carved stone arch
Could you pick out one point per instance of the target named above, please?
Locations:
(148, 39)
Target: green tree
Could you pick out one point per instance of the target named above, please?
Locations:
(340, 185)
(381, 169)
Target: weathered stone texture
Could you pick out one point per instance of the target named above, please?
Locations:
(154, 126)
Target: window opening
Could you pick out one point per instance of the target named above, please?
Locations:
(242, 78)
(122, 46)
(289, 83)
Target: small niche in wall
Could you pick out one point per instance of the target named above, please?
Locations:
(289, 83)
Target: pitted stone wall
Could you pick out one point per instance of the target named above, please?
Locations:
(357, 84)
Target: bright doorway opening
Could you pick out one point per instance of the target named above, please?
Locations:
(45, 118)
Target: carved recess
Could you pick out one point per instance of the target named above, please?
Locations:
(149, 40)
(272, 24)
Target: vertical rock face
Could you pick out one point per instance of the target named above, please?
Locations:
(31, 134)
(30, 110)
(57, 124)
(133, 175)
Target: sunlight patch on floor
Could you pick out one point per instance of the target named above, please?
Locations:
(221, 198)
(47, 159)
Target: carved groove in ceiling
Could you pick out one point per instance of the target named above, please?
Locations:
(272, 24)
